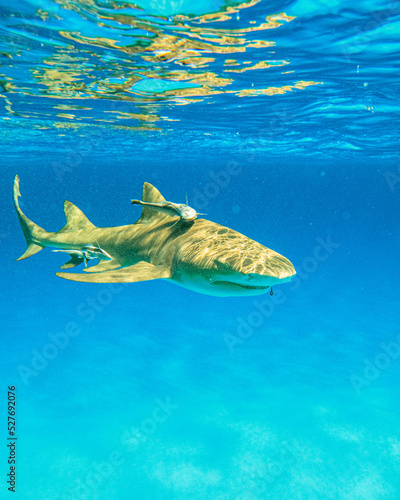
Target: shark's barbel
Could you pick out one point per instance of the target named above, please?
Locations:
(199, 255)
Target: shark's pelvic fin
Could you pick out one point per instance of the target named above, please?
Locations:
(142, 271)
(76, 219)
(28, 227)
(75, 260)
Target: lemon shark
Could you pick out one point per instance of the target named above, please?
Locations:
(199, 255)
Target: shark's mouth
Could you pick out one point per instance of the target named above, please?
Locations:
(248, 287)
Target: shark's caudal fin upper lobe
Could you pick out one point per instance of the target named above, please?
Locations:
(29, 228)
(35, 236)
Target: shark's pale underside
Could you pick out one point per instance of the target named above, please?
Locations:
(199, 255)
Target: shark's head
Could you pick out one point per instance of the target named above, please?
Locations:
(226, 263)
(250, 274)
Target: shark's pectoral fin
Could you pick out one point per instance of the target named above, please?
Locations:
(104, 265)
(142, 271)
(75, 260)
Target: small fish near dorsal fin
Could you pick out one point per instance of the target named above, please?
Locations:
(149, 214)
(76, 219)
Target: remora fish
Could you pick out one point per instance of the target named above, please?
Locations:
(201, 255)
(87, 253)
(185, 212)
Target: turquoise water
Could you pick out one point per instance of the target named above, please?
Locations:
(278, 120)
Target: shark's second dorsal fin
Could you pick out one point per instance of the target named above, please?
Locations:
(76, 219)
(152, 195)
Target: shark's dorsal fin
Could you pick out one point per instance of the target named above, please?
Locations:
(151, 194)
(149, 214)
(76, 219)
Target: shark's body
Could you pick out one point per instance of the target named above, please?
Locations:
(200, 255)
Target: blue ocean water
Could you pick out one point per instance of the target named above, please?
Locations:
(278, 120)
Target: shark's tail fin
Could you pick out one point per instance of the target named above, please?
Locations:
(29, 228)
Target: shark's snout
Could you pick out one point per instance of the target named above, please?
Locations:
(279, 267)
